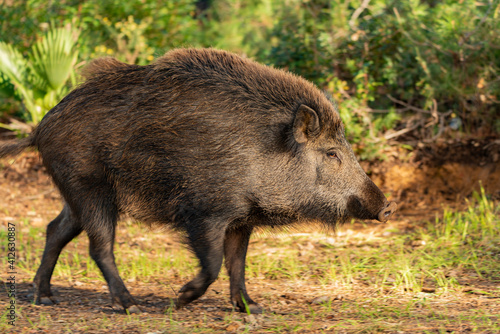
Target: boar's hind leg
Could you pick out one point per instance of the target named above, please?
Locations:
(60, 231)
(206, 240)
(235, 251)
(101, 250)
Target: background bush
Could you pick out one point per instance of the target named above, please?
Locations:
(406, 70)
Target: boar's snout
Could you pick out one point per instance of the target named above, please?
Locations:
(370, 203)
(358, 208)
(387, 212)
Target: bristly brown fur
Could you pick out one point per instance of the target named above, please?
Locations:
(102, 65)
(14, 147)
(248, 82)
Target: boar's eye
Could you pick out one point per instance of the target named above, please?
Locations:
(332, 155)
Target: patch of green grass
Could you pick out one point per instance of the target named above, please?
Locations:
(436, 255)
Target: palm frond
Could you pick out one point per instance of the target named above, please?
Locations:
(12, 64)
(13, 67)
(53, 57)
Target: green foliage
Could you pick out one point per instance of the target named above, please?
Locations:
(159, 25)
(237, 25)
(438, 57)
(39, 79)
(454, 56)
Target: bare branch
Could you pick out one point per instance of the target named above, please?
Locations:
(401, 132)
(386, 111)
(357, 13)
(410, 107)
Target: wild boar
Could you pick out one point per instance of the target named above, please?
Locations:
(205, 141)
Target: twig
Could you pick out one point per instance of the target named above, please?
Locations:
(16, 125)
(357, 13)
(441, 121)
(495, 142)
(36, 196)
(367, 109)
(410, 107)
(401, 132)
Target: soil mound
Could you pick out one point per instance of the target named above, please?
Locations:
(439, 174)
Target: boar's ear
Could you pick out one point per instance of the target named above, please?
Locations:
(306, 124)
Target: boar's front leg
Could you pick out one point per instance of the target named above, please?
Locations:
(235, 251)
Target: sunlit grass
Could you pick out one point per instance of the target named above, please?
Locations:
(436, 254)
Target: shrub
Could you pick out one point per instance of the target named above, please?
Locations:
(435, 62)
(39, 79)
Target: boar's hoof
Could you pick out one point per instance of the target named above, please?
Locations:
(387, 212)
(117, 307)
(252, 309)
(134, 309)
(46, 301)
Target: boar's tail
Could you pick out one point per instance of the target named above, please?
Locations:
(14, 147)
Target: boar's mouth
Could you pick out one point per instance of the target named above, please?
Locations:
(379, 212)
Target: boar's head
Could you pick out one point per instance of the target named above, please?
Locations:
(335, 185)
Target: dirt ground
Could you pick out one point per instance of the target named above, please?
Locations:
(422, 182)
